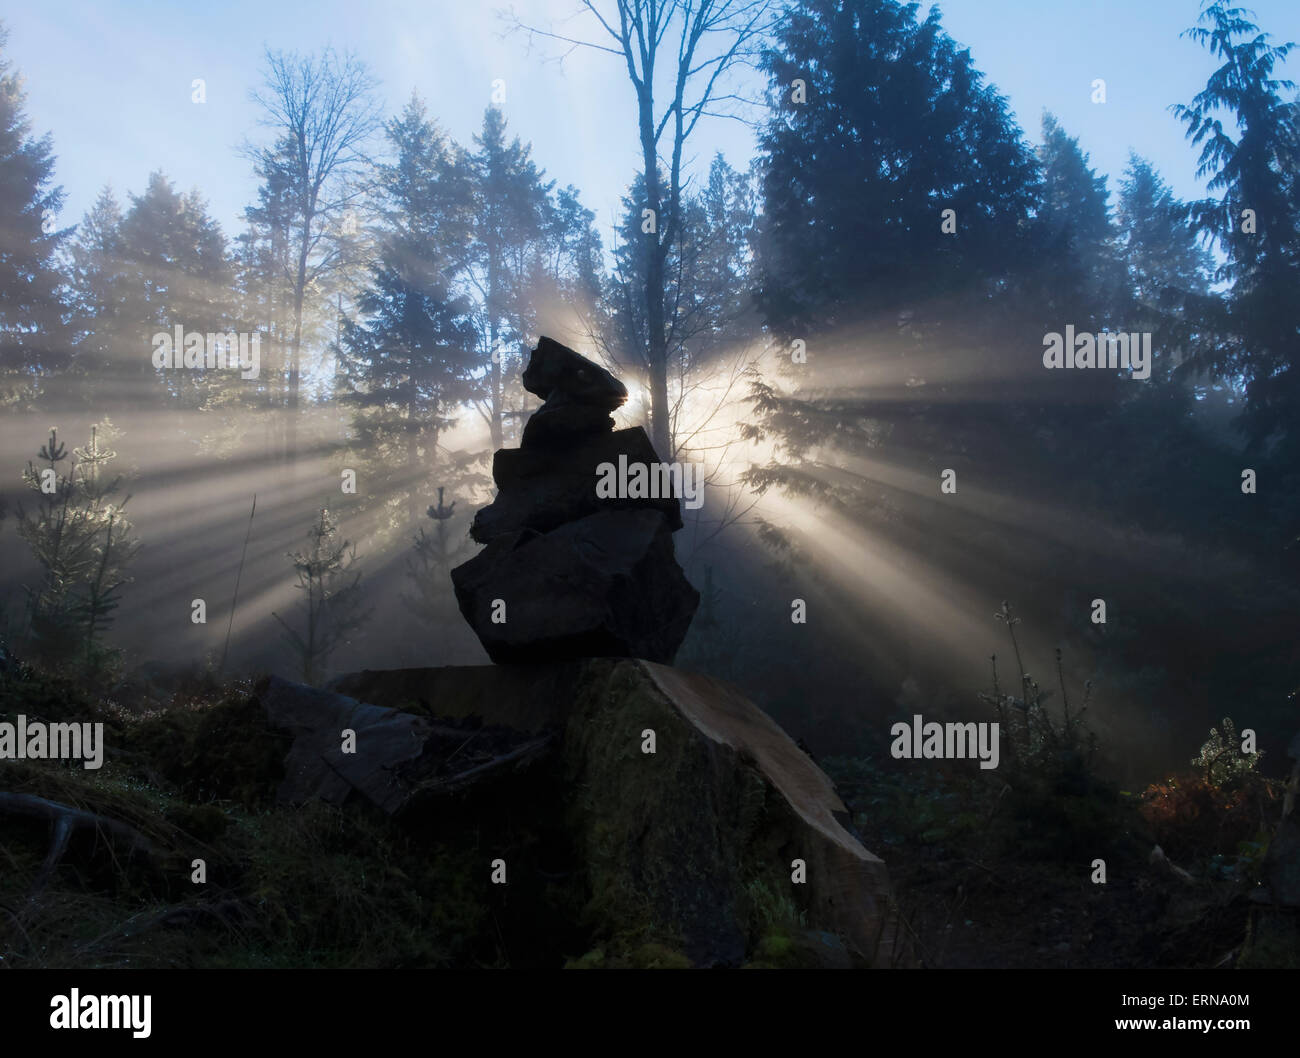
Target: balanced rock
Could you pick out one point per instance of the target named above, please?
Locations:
(408, 760)
(570, 571)
(316, 767)
(606, 585)
(578, 396)
(544, 489)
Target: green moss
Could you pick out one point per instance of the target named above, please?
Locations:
(653, 956)
(775, 947)
(648, 956)
(593, 960)
(662, 872)
(646, 880)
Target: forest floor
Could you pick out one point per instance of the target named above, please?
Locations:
(982, 883)
(1036, 916)
(986, 876)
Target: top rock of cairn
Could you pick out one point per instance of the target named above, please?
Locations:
(579, 396)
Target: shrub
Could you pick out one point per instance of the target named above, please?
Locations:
(1219, 810)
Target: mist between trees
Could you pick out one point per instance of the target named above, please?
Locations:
(845, 331)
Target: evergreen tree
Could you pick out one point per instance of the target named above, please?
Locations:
(1160, 245)
(914, 321)
(409, 360)
(901, 252)
(113, 547)
(429, 564)
(897, 125)
(32, 339)
(82, 539)
(1256, 328)
(426, 193)
(576, 260)
(1166, 264)
(176, 271)
(1085, 284)
(332, 603)
(265, 282)
(99, 291)
(59, 535)
(512, 221)
(1086, 280)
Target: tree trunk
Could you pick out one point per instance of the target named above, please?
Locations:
(656, 339)
(494, 371)
(295, 351)
(413, 476)
(498, 435)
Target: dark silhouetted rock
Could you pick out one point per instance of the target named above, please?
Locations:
(557, 425)
(606, 585)
(578, 395)
(555, 370)
(317, 767)
(568, 572)
(401, 760)
(543, 490)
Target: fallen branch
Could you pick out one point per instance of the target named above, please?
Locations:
(516, 758)
(1162, 863)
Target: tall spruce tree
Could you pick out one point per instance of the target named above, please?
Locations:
(33, 342)
(177, 271)
(1255, 220)
(1074, 218)
(409, 359)
(896, 259)
(1167, 265)
(513, 219)
(99, 292)
(1085, 286)
(904, 310)
(1160, 246)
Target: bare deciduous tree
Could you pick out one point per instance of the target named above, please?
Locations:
(323, 111)
(688, 47)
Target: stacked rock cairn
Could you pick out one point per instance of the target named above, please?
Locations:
(566, 572)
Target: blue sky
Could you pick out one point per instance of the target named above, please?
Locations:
(112, 82)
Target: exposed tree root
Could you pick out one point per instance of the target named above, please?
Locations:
(66, 820)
